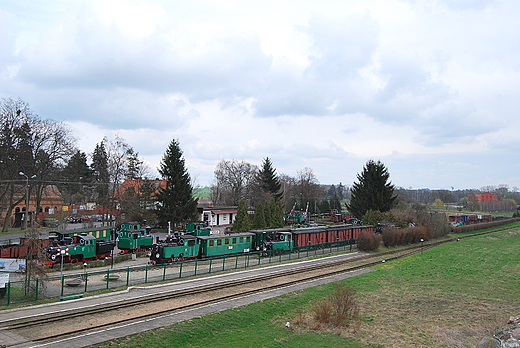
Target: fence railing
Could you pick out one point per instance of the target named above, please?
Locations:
(77, 284)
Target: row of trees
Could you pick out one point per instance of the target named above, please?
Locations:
(44, 151)
(37, 154)
(31, 152)
(240, 180)
(112, 161)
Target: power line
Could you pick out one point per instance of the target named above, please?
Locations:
(51, 182)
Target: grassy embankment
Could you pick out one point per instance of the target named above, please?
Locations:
(448, 296)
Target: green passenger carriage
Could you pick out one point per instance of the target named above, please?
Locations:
(224, 244)
(99, 233)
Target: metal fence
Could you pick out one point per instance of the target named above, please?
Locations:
(66, 286)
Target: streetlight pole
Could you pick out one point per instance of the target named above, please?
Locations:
(26, 216)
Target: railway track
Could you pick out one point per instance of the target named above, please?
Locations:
(40, 330)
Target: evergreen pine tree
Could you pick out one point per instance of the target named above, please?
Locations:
(259, 220)
(274, 211)
(134, 168)
(269, 181)
(242, 222)
(176, 202)
(75, 175)
(100, 172)
(372, 191)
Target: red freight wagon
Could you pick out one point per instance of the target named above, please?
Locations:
(340, 232)
(309, 236)
(19, 250)
(359, 229)
(13, 252)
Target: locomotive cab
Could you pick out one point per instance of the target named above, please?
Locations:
(174, 248)
(274, 239)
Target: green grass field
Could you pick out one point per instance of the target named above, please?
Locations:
(448, 296)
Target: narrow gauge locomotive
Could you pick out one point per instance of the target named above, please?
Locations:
(131, 237)
(80, 245)
(181, 247)
(96, 243)
(79, 248)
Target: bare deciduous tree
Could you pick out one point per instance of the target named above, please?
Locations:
(233, 180)
(30, 146)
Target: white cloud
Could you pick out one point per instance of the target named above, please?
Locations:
(429, 86)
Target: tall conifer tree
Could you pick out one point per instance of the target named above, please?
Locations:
(373, 191)
(101, 174)
(269, 180)
(259, 222)
(242, 222)
(177, 204)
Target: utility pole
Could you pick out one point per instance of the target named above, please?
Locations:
(26, 215)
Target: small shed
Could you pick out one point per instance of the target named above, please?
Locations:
(218, 216)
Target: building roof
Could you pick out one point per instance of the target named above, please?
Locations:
(136, 183)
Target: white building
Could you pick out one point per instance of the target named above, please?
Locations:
(218, 216)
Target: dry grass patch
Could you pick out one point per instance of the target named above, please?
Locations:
(401, 318)
(432, 319)
(339, 313)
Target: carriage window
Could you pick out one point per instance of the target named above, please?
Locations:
(248, 239)
(226, 241)
(211, 242)
(234, 240)
(219, 242)
(241, 239)
(191, 243)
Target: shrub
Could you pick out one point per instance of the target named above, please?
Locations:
(484, 225)
(390, 237)
(343, 302)
(411, 235)
(340, 309)
(368, 241)
(322, 311)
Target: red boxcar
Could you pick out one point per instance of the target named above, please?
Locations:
(327, 234)
(19, 250)
(309, 236)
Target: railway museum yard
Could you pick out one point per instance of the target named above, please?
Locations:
(105, 317)
(32, 326)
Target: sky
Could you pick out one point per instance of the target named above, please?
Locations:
(428, 87)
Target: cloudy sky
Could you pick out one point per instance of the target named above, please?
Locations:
(429, 87)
